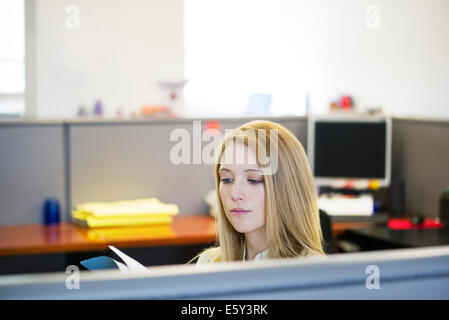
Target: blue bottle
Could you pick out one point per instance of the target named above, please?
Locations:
(51, 211)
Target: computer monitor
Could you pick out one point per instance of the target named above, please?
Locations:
(343, 148)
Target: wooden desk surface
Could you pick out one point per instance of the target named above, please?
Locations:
(68, 237)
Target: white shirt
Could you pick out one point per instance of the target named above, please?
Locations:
(262, 255)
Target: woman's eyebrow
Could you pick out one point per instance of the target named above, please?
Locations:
(226, 169)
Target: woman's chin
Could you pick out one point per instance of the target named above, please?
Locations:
(244, 229)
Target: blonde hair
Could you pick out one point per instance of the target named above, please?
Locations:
(291, 209)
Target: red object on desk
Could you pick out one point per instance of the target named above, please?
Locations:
(403, 224)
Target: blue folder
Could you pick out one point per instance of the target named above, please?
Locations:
(100, 263)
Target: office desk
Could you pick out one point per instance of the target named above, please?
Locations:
(68, 237)
(39, 248)
(380, 238)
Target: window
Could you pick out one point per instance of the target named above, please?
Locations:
(12, 57)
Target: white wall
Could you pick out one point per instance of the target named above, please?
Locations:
(119, 53)
(124, 47)
(403, 65)
(230, 53)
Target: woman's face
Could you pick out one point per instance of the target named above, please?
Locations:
(242, 189)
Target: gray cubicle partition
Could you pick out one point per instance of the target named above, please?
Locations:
(79, 161)
(393, 274)
(32, 168)
(127, 160)
(421, 160)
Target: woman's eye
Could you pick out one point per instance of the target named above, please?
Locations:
(226, 180)
(254, 181)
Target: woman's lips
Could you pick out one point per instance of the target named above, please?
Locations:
(239, 211)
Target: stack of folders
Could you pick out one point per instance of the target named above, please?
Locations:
(149, 211)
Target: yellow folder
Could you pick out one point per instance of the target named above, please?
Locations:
(148, 211)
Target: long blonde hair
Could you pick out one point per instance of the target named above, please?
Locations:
(291, 209)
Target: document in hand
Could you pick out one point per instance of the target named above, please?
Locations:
(128, 264)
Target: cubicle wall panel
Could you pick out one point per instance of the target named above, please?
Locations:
(123, 160)
(32, 169)
(126, 161)
(119, 161)
(394, 274)
(421, 159)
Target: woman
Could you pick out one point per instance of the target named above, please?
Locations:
(267, 203)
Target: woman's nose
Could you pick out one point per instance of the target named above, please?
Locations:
(236, 192)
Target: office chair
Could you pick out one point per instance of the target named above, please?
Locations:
(326, 229)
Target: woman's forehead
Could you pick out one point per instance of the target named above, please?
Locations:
(238, 154)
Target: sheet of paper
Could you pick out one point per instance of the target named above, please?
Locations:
(122, 266)
(132, 264)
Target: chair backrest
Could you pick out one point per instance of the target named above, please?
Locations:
(326, 229)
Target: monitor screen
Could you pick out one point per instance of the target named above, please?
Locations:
(350, 149)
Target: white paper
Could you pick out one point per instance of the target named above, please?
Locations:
(340, 205)
(133, 265)
(122, 267)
